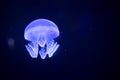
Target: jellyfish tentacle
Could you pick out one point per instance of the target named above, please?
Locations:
(51, 48)
(32, 49)
(42, 53)
(54, 48)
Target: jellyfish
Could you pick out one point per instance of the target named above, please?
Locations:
(41, 34)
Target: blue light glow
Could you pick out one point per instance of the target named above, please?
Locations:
(41, 32)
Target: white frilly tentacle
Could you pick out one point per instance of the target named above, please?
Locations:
(32, 49)
(51, 48)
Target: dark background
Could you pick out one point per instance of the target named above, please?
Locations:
(86, 40)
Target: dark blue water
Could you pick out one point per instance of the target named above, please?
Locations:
(86, 40)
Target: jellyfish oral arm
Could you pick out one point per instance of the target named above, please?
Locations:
(54, 49)
(33, 50)
(43, 53)
(51, 48)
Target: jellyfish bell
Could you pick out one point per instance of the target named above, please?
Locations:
(41, 32)
(40, 27)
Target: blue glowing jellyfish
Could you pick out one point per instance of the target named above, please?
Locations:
(41, 32)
